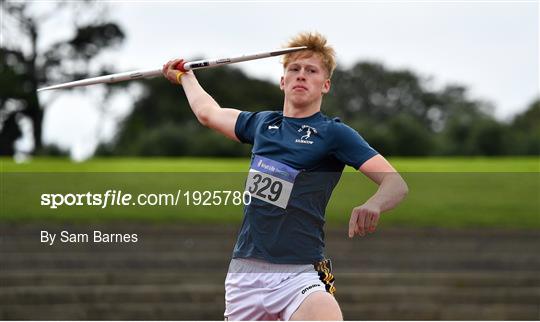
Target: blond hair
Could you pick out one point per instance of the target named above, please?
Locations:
(316, 45)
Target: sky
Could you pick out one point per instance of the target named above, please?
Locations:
(490, 47)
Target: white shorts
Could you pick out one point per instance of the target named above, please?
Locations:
(259, 290)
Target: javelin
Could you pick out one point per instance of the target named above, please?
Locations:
(147, 73)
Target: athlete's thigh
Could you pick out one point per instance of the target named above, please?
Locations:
(318, 306)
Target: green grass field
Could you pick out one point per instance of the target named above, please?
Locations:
(435, 164)
(444, 192)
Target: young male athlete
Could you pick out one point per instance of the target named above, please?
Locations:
(278, 269)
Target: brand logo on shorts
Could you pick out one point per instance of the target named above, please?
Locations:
(304, 139)
(309, 288)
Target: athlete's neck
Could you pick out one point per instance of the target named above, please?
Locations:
(290, 110)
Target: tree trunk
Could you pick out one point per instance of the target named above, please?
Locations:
(36, 113)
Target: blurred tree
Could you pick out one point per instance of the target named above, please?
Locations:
(9, 133)
(465, 125)
(524, 136)
(399, 114)
(28, 62)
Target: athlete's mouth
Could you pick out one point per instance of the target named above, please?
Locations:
(299, 87)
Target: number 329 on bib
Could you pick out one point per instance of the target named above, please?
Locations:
(270, 181)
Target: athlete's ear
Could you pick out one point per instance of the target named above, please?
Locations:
(326, 86)
(282, 83)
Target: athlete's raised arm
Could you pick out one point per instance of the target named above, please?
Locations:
(205, 108)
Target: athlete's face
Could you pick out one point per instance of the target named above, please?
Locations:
(305, 80)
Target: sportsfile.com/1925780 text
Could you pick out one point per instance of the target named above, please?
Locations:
(111, 198)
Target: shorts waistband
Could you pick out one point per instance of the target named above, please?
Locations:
(253, 265)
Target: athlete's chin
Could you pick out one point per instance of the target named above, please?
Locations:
(298, 100)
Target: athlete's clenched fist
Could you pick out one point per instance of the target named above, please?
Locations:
(364, 220)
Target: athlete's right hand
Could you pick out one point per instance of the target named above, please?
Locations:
(170, 72)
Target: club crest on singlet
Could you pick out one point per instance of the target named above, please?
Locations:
(308, 132)
(270, 181)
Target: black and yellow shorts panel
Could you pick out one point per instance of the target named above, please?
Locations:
(324, 269)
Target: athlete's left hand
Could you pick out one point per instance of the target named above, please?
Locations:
(364, 219)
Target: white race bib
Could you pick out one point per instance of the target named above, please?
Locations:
(271, 181)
